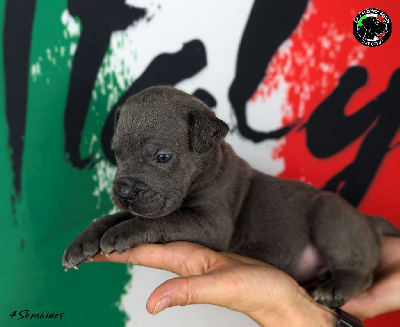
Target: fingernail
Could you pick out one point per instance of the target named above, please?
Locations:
(161, 305)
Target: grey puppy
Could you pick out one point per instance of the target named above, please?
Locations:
(177, 179)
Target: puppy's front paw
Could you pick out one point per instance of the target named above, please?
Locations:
(117, 239)
(84, 247)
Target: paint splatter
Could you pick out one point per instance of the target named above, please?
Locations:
(311, 61)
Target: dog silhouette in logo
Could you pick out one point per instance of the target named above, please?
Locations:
(371, 27)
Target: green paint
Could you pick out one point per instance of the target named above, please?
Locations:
(360, 21)
(58, 201)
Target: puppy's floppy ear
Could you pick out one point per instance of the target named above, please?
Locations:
(116, 117)
(205, 129)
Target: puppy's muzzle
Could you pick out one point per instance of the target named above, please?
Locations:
(127, 190)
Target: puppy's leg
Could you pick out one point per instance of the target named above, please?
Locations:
(349, 245)
(87, 244)
(181, 225)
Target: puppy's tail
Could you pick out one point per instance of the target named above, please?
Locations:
(383, 227)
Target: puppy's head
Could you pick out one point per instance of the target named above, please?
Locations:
(163, 140)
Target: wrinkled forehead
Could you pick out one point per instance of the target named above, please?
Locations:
(139, 125)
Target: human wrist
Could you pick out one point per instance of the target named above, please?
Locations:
(309, 313)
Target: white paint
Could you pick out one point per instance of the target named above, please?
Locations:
(266, 114)
(259, 155)
(72, 25)
(104, 177)
(132, 52)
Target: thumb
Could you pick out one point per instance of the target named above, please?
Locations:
(202, 289)
(382, 297)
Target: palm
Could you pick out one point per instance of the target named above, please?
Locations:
(226, 279)
(212, 277)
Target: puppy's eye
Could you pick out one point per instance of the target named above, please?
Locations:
(163, 158)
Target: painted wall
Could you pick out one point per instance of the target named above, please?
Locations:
(303, 99)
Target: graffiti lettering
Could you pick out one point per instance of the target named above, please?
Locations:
(328, 129)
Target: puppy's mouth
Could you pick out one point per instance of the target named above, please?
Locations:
(147, 204)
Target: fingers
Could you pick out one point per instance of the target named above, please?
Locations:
(356, 306)
(206, 277)
(222, 279)
(204, 289)
(383, 296)
(181, 291)
(258, 293)
(162, 256)
(181, 258)
(389, 256)
(244, 259)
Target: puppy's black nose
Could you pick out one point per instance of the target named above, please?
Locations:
(126, 189)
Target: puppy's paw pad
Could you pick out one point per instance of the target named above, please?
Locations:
(328, 297)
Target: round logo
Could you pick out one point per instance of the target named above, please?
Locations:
(372, 27)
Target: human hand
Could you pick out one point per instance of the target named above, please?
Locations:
(264, 293)
(384, 295)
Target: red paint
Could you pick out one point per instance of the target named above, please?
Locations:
(310, 85)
